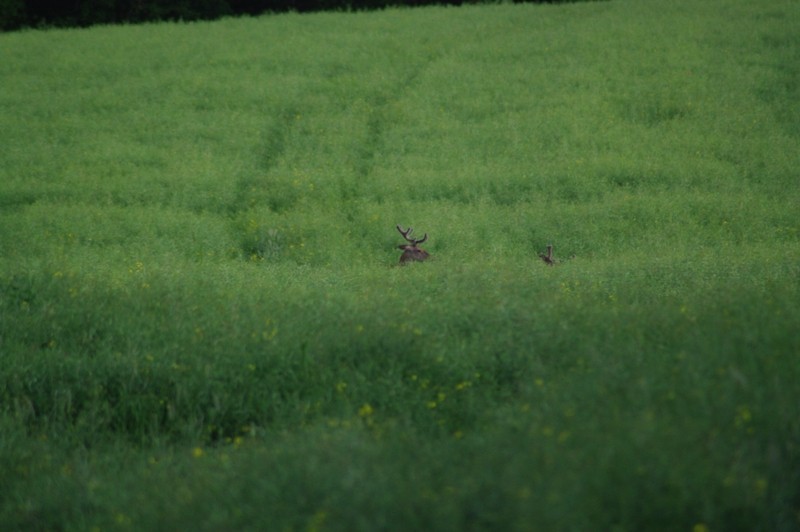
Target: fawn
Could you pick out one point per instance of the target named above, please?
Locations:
(410, 251)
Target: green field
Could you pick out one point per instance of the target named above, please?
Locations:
(203, 325)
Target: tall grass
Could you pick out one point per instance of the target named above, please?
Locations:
(202, 324)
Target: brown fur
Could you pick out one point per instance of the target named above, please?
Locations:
(412, 253)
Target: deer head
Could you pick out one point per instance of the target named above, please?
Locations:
(411, 252)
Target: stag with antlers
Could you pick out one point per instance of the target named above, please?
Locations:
(411, 252)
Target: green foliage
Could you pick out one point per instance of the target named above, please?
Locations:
(203, 324)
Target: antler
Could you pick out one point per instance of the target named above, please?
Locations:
(406, 234)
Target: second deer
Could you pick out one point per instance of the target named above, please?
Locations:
(412, 253)
(548, 259)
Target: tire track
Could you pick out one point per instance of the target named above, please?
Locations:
(256, 187)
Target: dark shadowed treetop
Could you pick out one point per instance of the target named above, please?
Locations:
(16, 14)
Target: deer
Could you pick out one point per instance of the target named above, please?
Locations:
(411, 252)
(548, 259)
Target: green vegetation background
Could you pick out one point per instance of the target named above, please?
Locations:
(202, 324)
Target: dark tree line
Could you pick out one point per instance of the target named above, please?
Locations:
(16, 14)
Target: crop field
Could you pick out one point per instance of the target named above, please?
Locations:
(204, 326)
